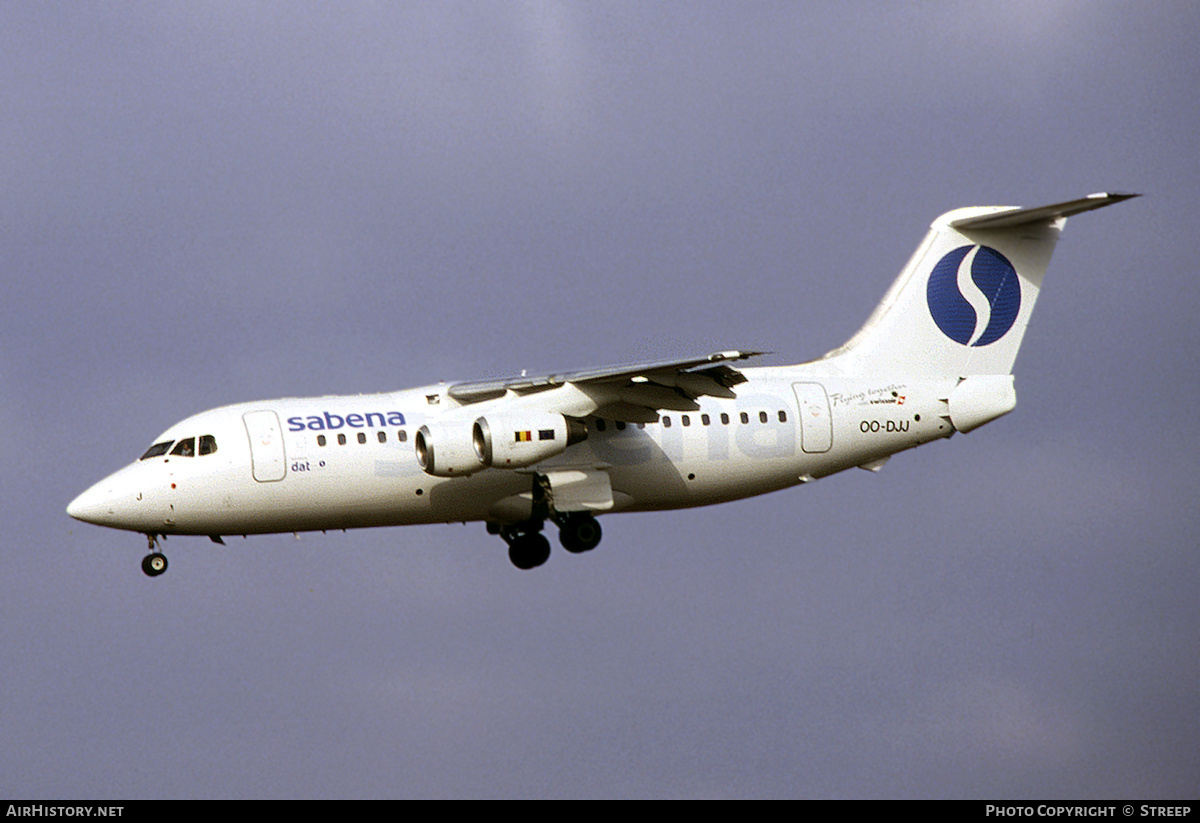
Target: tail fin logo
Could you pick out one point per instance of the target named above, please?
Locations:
(974, 295)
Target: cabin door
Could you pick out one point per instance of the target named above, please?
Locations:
(816, 424)
(266, 446)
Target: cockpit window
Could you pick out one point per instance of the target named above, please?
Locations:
(157, 450)
(184, 448)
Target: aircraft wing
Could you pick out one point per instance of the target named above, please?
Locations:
(633, 393)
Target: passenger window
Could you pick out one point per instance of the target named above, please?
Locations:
(666, 422)
(724, 419)
(600, 425)
(762, 417)
(686, 420)
(320, 440)
(402, 436)
(185, 448)
(782, 417)
(341, 439)
(705, 419)
(745, 418)
(382, 437)
(620, 425)
(157, 450)
(362, 437)
(208, 444)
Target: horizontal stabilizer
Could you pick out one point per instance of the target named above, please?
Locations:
(1021, 217)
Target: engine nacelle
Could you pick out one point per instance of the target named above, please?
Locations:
(513, 441)
(448, 450)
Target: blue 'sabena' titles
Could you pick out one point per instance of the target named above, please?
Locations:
(354, 421)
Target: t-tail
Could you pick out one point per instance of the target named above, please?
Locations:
(956, 315)
(961, 305)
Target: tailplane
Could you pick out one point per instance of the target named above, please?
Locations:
(961, 305)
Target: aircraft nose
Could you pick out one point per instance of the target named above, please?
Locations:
(108, 503)
(96, 505)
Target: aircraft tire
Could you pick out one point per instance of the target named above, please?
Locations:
(529, 551)
(154, 564)
(580, 533)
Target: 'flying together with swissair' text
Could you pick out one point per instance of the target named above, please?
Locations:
(934, 358)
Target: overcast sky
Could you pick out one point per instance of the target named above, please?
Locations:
(212, 202)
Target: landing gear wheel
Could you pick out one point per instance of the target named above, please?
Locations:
(528, 551)
(154, 564)
(579, 533)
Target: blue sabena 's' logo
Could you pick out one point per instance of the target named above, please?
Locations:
(974, 295)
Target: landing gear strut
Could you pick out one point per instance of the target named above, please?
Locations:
(154, 563)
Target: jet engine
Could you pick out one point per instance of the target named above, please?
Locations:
(514, 441)
(448, 450)
(502, 441)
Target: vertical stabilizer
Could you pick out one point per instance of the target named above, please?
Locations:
(961, 305)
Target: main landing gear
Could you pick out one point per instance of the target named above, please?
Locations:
(528, 548)
(154, 563)
(578, 532)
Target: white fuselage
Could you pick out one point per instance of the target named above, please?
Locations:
(341, 462)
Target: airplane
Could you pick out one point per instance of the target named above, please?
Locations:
(934, 359)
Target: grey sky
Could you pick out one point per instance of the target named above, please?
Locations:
(207, 203)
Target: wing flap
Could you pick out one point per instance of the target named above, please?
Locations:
(656, 397)
(580, 489)
(627, 412)
(665, 384)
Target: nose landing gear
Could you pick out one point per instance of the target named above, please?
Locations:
(154, 563)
